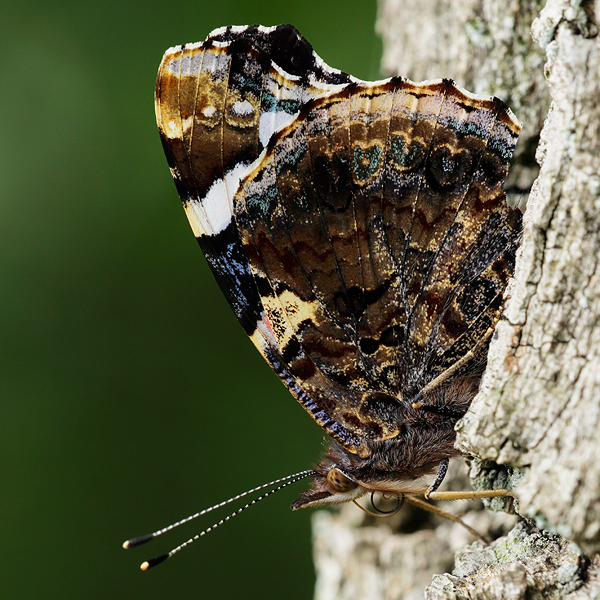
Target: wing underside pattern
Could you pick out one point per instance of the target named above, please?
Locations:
(359, 230)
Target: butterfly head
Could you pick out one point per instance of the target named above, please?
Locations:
(343, 476)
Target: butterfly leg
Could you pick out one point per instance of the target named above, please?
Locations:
(417, 400)
(433, 494)
(468, 494)
(446, 515)
(442, 470)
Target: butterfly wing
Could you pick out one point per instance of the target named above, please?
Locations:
(359, 231)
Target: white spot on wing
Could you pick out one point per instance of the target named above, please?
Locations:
(216, 208)
(267, 29)
(272, 122)
(212, 214)
(242, 109)
(238, 28)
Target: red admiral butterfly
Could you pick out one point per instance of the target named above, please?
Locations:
(359, 231)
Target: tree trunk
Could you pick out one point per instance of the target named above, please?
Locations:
(535, 422)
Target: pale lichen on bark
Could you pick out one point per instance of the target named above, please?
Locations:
(536, 419)
(526, 563)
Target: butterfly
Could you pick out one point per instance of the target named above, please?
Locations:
(360, 233)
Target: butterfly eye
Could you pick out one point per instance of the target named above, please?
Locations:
(338, 482)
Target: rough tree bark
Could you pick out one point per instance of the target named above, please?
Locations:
(535, 422)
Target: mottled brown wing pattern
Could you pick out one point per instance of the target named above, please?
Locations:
(379, 313)
(359, 230)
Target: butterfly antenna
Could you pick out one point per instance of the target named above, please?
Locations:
(284, 482)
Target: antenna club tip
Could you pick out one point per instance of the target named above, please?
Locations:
(148, 564)
(138, 541)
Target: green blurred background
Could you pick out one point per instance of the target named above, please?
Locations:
(130, 397)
